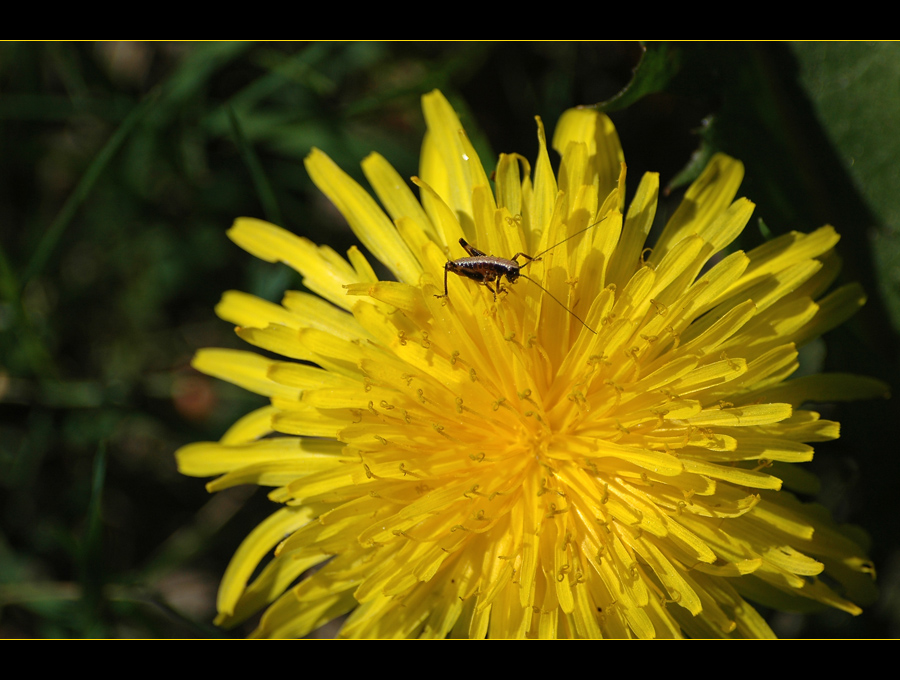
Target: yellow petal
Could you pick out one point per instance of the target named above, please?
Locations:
(369, 223)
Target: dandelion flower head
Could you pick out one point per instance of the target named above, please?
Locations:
(598, 452)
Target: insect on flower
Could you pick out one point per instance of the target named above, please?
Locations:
(486, 269)
(490, 484)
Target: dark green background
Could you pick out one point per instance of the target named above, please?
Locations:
(123, 165)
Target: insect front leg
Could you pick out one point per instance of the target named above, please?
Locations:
(446, 269)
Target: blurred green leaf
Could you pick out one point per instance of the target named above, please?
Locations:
(658, 65)
(260, 181)
(855, 89)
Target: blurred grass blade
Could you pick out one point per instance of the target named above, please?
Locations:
(92, 575)
(260, 181)
(51, 237)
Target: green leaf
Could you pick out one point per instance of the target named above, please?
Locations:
(659, 63)
(852, 86)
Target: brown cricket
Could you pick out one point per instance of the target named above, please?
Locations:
(487, 269)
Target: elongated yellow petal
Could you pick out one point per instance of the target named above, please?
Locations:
(448, 164)
(244, 369)
(393, 192)
(604, 151)
(323, 270)
(253, 549)
(705, 201)
(367, 220)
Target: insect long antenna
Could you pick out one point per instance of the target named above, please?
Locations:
(567, 238)
(524, 276)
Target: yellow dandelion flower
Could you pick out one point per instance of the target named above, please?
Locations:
(598, 452)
